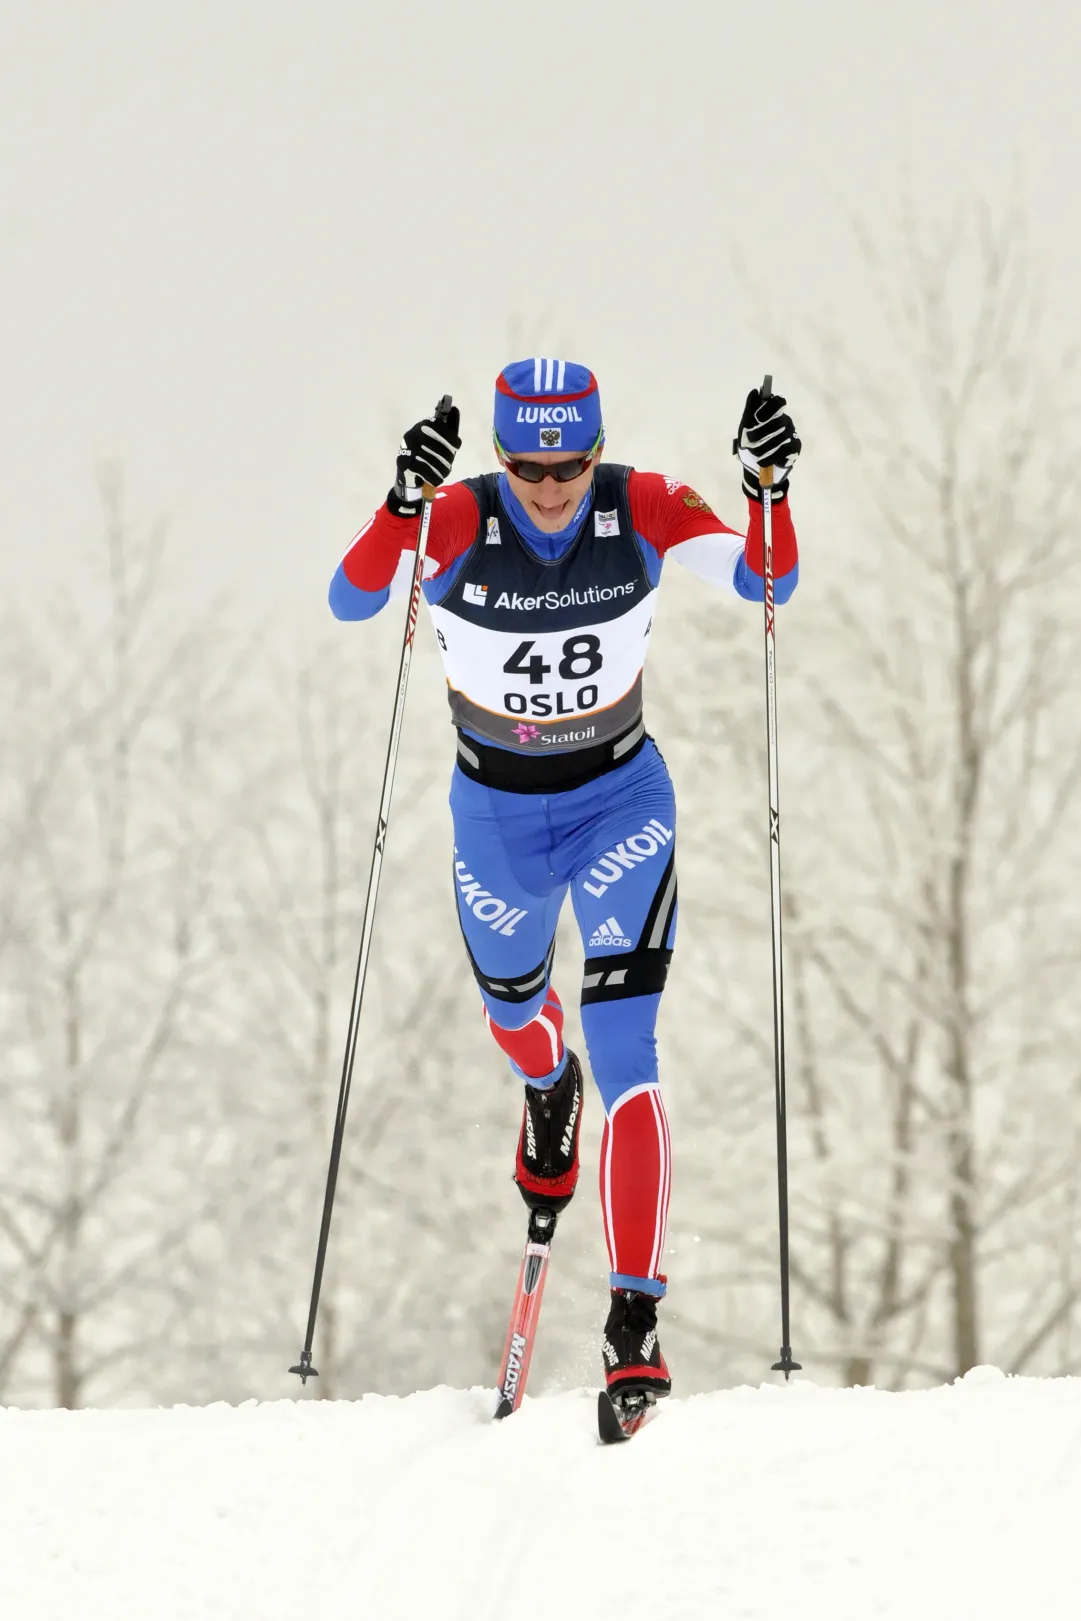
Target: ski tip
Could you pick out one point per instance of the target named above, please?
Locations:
(504, 1409)
(608, 1426)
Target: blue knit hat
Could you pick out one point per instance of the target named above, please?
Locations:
(547, 405)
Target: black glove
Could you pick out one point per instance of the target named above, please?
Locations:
(766, 438)
(426, 457)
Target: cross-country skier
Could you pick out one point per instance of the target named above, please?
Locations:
(541, 580)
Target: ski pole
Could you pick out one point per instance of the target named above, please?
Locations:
(304, 1366)
(786, 1365)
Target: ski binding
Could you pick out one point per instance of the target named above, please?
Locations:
(619, 1417)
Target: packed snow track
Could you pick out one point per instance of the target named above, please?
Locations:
(798, 1504)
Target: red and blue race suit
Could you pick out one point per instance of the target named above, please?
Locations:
(557, 787)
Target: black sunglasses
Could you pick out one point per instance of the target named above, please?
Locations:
(536, 472)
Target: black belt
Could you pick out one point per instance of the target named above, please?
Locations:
(521, 773)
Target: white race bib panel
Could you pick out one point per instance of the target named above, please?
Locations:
(548, 655)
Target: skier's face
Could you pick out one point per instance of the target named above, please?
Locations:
(552, 505)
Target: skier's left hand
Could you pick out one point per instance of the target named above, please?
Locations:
(766, 437)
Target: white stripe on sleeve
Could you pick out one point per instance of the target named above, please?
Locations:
(402, 583)
(713, 558)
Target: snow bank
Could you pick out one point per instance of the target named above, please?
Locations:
(961, 1503)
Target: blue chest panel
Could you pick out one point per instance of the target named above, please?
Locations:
(503, 584)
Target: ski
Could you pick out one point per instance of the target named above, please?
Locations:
(526, 1311)
(620, 1418)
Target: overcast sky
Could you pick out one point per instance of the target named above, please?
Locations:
(243, 245)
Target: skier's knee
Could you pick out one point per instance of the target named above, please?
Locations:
(622, 1046)
(512, 1000)
(617, 978)
(513, 1015)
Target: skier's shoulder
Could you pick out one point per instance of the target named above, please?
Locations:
(456, 501)
(455, 519)
(611, 482)
(667, 510)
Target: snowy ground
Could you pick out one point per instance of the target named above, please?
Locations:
(802, 1504)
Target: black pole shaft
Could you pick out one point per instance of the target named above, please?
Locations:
(786, 1364)
(304, 1366)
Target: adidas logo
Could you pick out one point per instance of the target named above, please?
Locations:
(609, 934)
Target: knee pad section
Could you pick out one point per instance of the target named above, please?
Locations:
(638, 973)
(513, 988)
(643, 971)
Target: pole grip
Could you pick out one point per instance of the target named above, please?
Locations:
(442, 411)
(765, 474)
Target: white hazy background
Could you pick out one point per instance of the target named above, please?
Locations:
(241, 248)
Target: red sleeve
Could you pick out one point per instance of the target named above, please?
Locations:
(785, 553)
(666, 511)
(375, 552)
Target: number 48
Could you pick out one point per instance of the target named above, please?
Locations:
(581, 657)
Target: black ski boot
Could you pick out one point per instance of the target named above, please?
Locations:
(633, 1364)
(547, 1166)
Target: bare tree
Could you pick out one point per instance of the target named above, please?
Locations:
(107, 879)
(933, 940)
(929, 759)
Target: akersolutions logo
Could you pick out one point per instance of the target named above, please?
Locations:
(551, 600)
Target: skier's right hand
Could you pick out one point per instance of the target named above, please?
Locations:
(426, 456)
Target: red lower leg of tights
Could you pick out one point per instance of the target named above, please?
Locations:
(635, 1181)
(537, 1047)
